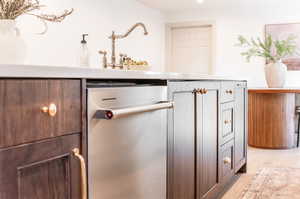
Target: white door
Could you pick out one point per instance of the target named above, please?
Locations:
(191, 49)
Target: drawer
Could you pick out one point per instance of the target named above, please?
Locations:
(227, 122)
(22, 118)
(227, 91)
(227, 161)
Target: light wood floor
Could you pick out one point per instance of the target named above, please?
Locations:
(258, 158)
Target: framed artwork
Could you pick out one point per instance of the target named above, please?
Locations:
(282, 31)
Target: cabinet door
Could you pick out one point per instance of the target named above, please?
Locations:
(42, 170)
(240, 128)
(207, 108)
(181, 144)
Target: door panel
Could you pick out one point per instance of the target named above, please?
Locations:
(191, 49)
(182, 147)
(207, 142)
(45, 180)
(45, 170)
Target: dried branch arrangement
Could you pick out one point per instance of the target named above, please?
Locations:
(12, 9)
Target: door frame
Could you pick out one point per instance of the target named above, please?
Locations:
(168, 42)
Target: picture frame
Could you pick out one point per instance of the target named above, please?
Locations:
(283, 31)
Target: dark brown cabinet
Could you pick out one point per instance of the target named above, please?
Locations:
(181, 157)
(193, 140)
(207, 117)
(202, 127)
(42, 170)
(41, 124)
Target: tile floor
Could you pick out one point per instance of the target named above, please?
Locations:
(258, 158)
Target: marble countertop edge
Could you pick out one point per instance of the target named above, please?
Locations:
(38, 71)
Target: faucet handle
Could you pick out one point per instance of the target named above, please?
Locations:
(104, 53)
(122, 60)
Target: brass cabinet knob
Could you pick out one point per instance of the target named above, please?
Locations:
(227, 160)
(200, 91)
(227, 121)
(229, 92)
(197, 91)
(51, 109)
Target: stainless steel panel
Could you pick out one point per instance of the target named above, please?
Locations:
(127, 156)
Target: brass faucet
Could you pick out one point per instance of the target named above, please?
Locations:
(113, 38)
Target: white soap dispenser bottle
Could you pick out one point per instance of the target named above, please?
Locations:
(84, 54)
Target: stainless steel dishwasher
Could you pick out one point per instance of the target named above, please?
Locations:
(127, 142)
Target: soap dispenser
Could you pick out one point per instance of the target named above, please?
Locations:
(84, 54)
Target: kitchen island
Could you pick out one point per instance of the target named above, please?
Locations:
(44, 134)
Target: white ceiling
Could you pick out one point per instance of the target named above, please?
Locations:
(184, 5)
(171, 5)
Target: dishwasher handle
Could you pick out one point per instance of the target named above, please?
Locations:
(117, 113)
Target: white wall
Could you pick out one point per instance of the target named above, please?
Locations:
(246, 18)
(59, 46)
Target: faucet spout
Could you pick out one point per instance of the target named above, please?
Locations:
(130, 31)
(133, 28)
(114, 37)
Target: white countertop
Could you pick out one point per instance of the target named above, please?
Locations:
(31, 71)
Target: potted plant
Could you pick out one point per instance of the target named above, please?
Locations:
(274, 51)
(12, 46)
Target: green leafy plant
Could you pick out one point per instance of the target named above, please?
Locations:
(270, 49)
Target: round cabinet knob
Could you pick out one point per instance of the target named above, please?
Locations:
(227, 160)
(227, 121)
(200, 91)
(51, 109)
(229, 92)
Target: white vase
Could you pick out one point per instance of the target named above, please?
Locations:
(276, 74)
(12, 45)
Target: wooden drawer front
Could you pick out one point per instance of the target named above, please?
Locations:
(227, 91)
(23, 121)
(227, 122)
(227, 161)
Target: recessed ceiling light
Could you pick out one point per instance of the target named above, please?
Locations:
(200, 1)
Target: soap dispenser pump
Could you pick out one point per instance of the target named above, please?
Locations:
(84, 57)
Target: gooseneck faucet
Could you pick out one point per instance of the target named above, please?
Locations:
(114, 37)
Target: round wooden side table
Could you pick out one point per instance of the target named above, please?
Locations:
(271, 119)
